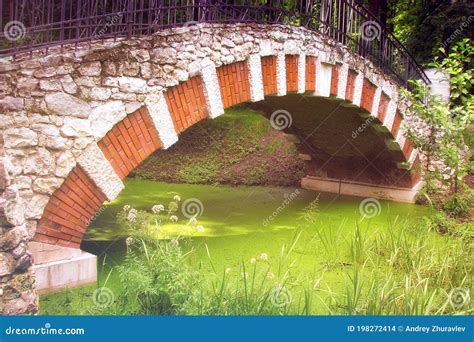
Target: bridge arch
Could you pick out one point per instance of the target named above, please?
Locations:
(114, 103)
(74, 80)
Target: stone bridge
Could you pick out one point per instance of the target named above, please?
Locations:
(79, 119)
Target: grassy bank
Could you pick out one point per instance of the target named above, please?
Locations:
(238, 148)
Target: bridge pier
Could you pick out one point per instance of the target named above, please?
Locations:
(57, 267)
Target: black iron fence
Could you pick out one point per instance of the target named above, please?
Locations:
(36, 25)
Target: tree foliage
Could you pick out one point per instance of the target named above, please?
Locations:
(446, 122)
(424, 26)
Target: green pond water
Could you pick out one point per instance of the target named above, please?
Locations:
(237, 228)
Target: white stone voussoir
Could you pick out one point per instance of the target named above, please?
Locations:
(281, 74)
(401, 136)
(376, 102)
(301, 73)
(323, 79)
(412, 158)
(266, 48)
(98, 168)
(390, 114)
(103, 118)
(212, 90)
(342, 81)
(161, 118)
(359, 84)
(254, 63)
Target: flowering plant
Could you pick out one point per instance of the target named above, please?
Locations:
(160, 222)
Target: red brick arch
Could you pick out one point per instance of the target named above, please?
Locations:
(132, 140)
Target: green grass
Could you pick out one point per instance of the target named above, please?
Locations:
(341, 261)
(204, 172)
(239, 147)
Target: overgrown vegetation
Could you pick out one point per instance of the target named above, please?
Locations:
(446, 156)
(401, 270)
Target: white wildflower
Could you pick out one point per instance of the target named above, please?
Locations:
(264, 256)
(253, 261)
(174, 218)
(192, 221)
(158, 208)
(200, 228)
(126, 207)
(129, 241)
(131, 216)
(177, 198)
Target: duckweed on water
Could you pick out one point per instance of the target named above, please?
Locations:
(315, 257)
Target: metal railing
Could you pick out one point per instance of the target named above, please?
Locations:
(36, 25)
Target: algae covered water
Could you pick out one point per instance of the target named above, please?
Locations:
(242, 222)
(246, 223)
(235, 212)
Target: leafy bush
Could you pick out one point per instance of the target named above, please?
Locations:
(458, 205)
(156, 276)
(440, 223)
(447, 121)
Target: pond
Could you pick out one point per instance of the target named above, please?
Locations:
(241, 223)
